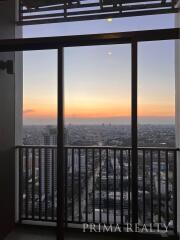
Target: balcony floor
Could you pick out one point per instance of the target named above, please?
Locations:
(35, 233)
(25, 233)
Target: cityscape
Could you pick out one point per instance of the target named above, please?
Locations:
(90, 119)
(98, 173)
(149, 135)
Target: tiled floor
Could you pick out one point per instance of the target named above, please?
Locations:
(35, 233)
(39, 234)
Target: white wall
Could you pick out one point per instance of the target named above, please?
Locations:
(177, 77)
(10, 116)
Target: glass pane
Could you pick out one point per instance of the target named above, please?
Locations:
(98, 132)
(156, 94)
(137, 23)
(39, 155)
(156, 110)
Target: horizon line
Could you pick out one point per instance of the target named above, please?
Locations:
(97, 124)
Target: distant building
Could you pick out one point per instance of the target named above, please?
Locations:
(50, 136)
(49, 160)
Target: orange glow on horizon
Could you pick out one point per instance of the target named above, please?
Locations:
(106, 111)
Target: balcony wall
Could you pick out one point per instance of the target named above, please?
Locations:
(8, 84)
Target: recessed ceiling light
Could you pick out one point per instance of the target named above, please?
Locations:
(109, 19)
(109, 53)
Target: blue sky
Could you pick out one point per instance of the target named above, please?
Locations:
(98, 79)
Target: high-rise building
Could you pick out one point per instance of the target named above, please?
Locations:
(49, 162)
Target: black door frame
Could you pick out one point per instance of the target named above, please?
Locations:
(60, 163)
(59, 43)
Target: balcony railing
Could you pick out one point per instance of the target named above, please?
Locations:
(98, 185)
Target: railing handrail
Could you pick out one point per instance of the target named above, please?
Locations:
(100, 147)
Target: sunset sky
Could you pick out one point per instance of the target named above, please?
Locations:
(98, 79)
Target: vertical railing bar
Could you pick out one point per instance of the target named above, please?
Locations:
(134, 66)
(107, 185)
(20, 155)
(144, 188)
(79, 152)
(53, 189)
(65, 8)
(121, 174)
(72, 183)
(167, 189)
(33, 181)
(66, 186)
(100, 187)
(152, 208)
(86, 155)
(40, 187)
(129, 186)
(175, 192)
(114, 186)
(93, 167)
(27, 179)
(159, 186)
(46, 183)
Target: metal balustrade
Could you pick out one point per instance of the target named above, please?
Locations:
(98, 185)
